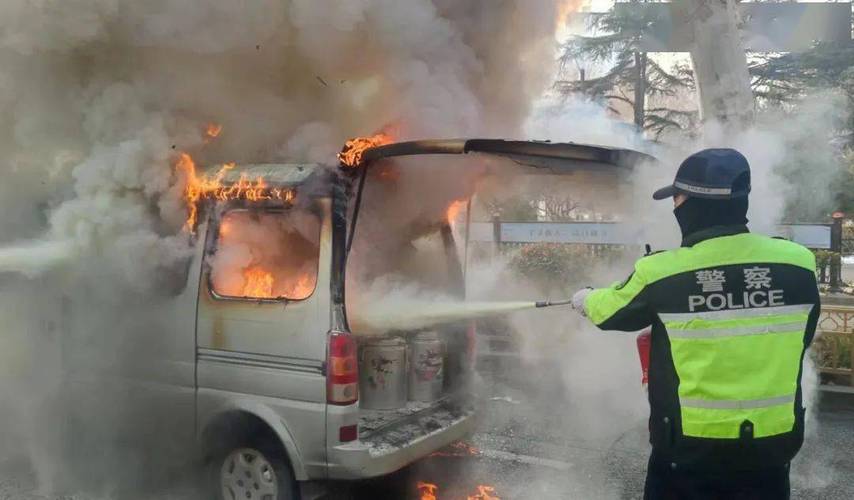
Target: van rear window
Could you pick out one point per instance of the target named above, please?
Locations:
(266, 255)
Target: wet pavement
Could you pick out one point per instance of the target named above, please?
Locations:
(541, 449)
(522, 454)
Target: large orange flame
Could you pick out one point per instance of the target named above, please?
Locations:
(484, 493)
(263, 282)
(351, 154)
(202, 187)
(427, 490)
(258, 282)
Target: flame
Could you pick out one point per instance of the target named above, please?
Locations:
(351, 154)
(258, 282)
(427, 490)
(202, 187)
(454, 210)
(261, 283)
(303, 287)
(484, 493)
(212, 130)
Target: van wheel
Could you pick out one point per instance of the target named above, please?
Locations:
(252, 473)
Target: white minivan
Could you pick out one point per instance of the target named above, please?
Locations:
(260, 370)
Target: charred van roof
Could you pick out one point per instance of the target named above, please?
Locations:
(274, 174)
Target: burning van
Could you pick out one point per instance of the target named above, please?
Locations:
(264, 355)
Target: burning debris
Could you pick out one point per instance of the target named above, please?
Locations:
(484, 492)
(212, 130)
(351, 154)
(427, 490)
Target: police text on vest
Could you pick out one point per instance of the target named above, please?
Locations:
(718, 301)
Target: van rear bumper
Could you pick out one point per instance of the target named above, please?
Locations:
(392, 448)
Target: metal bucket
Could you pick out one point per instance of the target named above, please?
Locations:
(426, 367)
(382, 374)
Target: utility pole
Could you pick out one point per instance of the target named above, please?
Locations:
(836, 255)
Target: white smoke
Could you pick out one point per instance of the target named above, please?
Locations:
(100, 96)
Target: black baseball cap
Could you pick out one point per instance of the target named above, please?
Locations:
(718, 174)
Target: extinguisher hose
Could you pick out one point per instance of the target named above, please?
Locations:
(549, 303)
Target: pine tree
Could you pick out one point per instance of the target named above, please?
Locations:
(633, 78)
(785, 80)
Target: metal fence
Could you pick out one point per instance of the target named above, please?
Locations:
(833, 349)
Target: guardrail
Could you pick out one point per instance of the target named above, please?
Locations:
(833, 348)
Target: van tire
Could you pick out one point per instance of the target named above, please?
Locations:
(257, 456)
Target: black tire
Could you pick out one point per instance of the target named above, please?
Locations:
(286, 485)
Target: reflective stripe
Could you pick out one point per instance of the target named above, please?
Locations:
(736, 313)
(735, 404)
(700, 189)
(797, 326)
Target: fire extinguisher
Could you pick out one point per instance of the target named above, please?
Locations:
(644, 340)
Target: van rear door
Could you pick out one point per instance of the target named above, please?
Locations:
(553, 157)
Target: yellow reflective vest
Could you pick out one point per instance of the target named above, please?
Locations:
(732, 314)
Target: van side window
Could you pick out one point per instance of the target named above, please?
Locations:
(266, 254)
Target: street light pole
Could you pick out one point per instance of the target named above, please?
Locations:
(836, 249)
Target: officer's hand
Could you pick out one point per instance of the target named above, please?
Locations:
(578, 300)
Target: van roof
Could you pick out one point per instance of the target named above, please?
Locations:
(274, 174)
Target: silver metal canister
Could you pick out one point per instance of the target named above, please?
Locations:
(426, 367)
(382, 374)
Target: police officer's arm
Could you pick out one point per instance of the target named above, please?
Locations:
(621, 306)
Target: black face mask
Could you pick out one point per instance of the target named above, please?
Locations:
(696, 214)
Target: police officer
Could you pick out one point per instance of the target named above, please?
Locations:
(732, 313)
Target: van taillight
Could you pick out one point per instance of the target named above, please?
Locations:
(342, 379)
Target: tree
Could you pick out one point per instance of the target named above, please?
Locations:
(787, 78)
(633, 78)
(719, 60)
(787, 81)
(511, 209)
(557, 208)
(844, 196)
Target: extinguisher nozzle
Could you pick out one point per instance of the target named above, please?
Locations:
(549, 303)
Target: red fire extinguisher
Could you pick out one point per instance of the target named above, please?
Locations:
(644, 339)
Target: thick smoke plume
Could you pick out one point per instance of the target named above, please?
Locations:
(100, 96)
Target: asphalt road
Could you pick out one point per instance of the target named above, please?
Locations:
(523, 457)
(530, 447)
